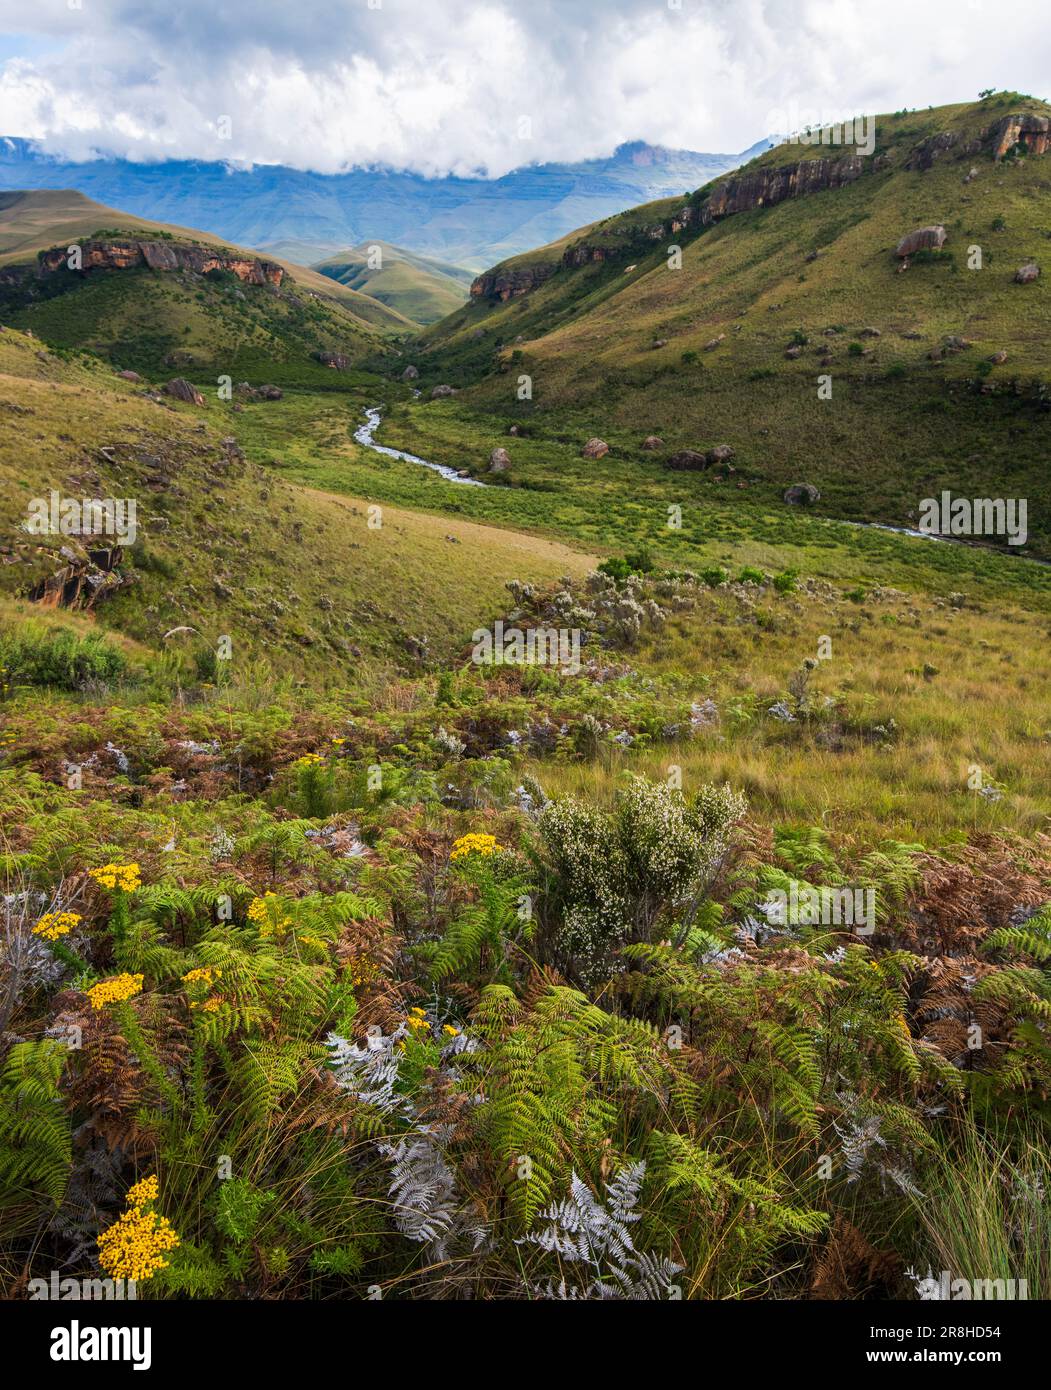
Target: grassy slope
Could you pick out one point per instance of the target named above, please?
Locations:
(898, 427)
(422, 289)
(179, 322)
(36, 219)
(308, 581)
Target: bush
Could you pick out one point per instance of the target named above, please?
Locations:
(38, 656)
(615, 877)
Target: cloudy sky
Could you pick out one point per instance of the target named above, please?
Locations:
(481, 86)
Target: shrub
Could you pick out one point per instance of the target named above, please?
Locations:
(612, 877)
(38, 656)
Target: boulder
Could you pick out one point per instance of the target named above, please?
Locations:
(870, 333)
(1026, 274)
(595, 449)
(270, 393)
(688, 459)
(440, 391)
(129, 376)
(181, 389)
(652, 442)
(802, 495)
(499, 461)
(720, 455)
(410, 374)
(793, 352)
(714, 342)
(338, 361)
(954, 343)
(999, 358)
(922, 239)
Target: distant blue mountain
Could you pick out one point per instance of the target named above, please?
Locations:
(307, 216)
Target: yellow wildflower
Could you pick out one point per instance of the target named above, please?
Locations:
(210, 1006)
(308, 760)
(55, 924)
(126, 877)
(417, 1023)
(132, 1248)
(484, 845)
(450, 1031)
(206, 975)
(145, 1191)
(114, 990)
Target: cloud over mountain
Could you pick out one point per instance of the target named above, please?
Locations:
(469, 86)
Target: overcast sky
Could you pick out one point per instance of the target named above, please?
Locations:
(482, 86)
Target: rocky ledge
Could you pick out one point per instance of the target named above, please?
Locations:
(155, 255)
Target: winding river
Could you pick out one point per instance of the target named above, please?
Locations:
(364, 435)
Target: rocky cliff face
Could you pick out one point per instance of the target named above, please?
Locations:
(1032, 133)
(156, 255)
(765, 187)
(510, 284)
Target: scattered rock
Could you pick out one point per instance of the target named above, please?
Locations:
(270, 393)
(129, 376)
(660, 342)
(181, 389)
(720, 455)
(1026, 274)
(338, 361)
(802, 495)
(410, 374)
(793, 352)
(595, 449)
(714, 342)
(954, 343)
(652, 442)
(499, 461)
(810, 256)
(923, 239)
(999, 358)
(688, 459)
(440, 391)
(870, 333)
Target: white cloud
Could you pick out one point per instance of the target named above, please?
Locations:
(440, 86)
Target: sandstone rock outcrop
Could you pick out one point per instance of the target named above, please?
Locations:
(1030, 133)
(501, 284)
(162, 256)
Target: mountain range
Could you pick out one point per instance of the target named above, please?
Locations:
(308, 216)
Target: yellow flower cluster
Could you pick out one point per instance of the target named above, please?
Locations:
(55, 924)
(264, 913)
(418, 1019)
(362, 970)
(114, 990)
(144, 1191)
(308, 940)
(133, 1247)
(308, 760)
(450, 1031)
(127, 877)
(206, 975)
(475, 844)
(209, 1006)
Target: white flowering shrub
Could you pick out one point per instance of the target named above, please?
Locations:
(614, 877)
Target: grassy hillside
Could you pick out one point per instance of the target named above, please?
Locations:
(226, 547)
(178, 322)
(421, 289)
(697, 356)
